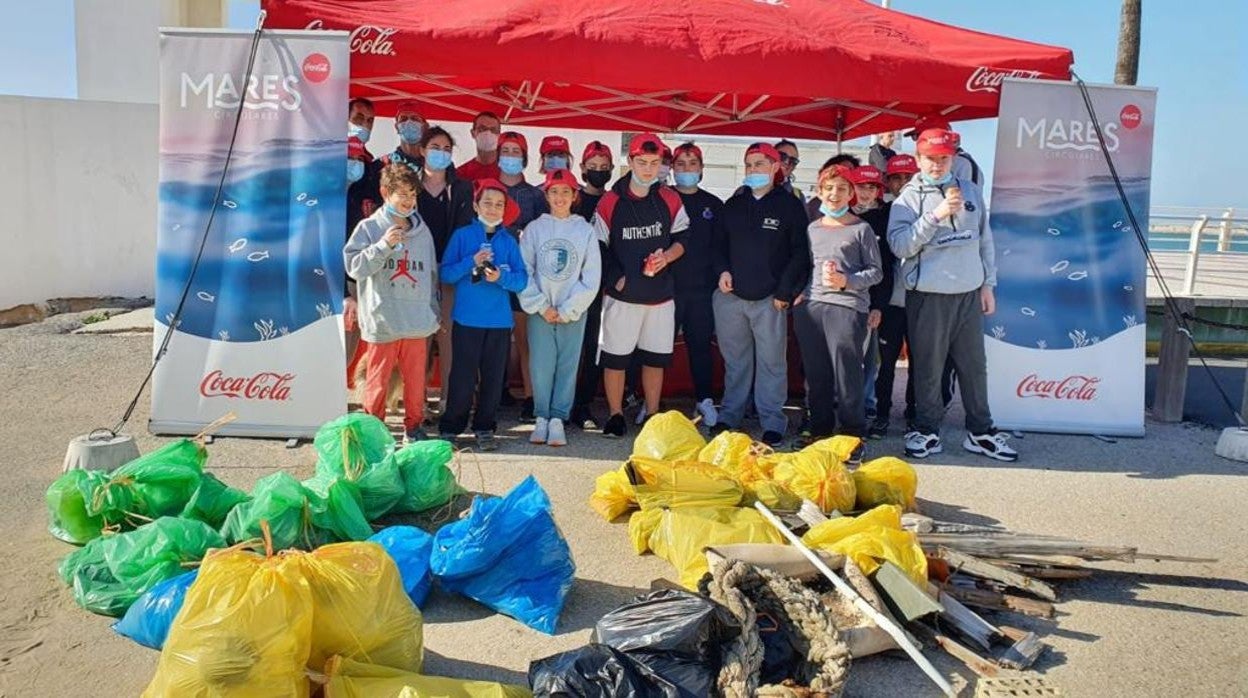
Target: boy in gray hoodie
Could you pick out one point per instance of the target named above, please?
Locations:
(391, 257)
(938, 228)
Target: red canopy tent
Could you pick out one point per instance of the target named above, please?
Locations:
(822, 69)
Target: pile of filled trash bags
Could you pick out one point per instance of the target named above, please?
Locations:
(686, 494)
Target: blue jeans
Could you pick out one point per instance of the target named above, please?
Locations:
(554, 354)
(871, 367)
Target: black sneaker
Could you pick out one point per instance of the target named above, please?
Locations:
(877, 430)
(508, 400)
(992, 444)
(858, 455)
(417, 434)
(773, 438)
(921, 445)
(526, 411)
(803, 430)
(486, 441)
(615, 427)
(718, 429)
(871, 415)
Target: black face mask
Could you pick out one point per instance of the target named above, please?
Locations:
(598, 178)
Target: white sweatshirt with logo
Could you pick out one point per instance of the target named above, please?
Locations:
(564, 266)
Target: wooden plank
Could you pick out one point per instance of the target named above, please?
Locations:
(1026, 649)
(982, 667)
(1039, 560)
(907, 600)
(970, 565)
(1054, 573)
(1012, 544)
(1176, 347)
(996, 601)
(1176, 558)
(967, 622)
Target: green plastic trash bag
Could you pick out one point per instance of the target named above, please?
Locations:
(280, 500)
(68, 519)
(352, 441)
(110, 573)
(151, 486)
(380, 484)
(427, 480)
(337, 510)
(213, 501)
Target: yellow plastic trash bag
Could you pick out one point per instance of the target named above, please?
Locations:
(669, 436)
(613, 495)
(641, 526)
(352, 679)
(359, 607)
(682, 535)
(899, 547)
(771, 493)
(840, 447)
(825, 534)
(886, 481)
(730, 450)
(665, 484)
(244, 631)
(817, 475)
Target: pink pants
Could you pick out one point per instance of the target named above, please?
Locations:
(409, 356)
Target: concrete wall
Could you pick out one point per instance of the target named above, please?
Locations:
(77, 199)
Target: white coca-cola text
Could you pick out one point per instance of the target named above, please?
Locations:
(366, 38)
(1082, 388)
(262, 386)
(988, 80)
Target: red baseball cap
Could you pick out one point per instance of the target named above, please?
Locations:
(561, 176)
(596, 148)
(640, 141)
(355, 149)
(514, 137)
(902, 164)
(866, 175)
(511, 210)
(554, 144)
(930, 121)
(935, 141)
(667, 152)
(688, 148)
(408, 106)
(766, 149)
(837, 171)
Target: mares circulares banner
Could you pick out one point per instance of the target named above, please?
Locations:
(1066, 345)
(260, 334)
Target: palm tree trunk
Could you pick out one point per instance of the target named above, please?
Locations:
(1128, 67)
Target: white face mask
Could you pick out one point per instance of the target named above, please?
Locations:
(487, 141)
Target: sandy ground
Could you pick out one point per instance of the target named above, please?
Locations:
(1150, 629)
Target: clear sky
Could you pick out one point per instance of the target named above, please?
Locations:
(1192, 51)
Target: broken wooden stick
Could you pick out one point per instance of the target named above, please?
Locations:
(996, 601)
(959, 562)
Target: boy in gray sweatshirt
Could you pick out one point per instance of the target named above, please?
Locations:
(938, 228)
(391, 256)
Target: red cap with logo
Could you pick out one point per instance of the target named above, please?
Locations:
(902, 164)
(766, 149)
(514, 137)
(596, 148)
(689, 148)
(637, 146)
(511, 210)
(935, 141)
(355, 149)
(554, 144)
(929, 122)
(866, 175)
(408, 106)
(837, 172)
(560, 176)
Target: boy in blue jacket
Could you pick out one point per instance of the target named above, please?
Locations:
(483, 263)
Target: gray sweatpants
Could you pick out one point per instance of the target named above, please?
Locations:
(949, 326)
(752, 334)
(831, 338)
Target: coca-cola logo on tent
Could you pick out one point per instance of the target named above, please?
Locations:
(989, 80)
(366, 38)
(262, 386)
(1081, 388)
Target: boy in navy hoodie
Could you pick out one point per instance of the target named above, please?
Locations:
(483, 262)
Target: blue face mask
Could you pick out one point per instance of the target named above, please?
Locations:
(410, 132)
(642, 182)
(355, 170)
(438, 159)
(511, 164)
(936, 182)
(395, 213)
(688, 179)
(833, 212)
(355, 131)
(556, 162)
(757, 180)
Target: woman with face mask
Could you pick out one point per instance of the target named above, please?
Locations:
(445, 204)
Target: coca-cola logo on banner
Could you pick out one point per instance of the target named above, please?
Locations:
(262, 386)
(366, 38)
(989, 80)
(1081, 388)
(316, 67)
(1130, 116)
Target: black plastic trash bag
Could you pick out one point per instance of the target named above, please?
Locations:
(597, 671)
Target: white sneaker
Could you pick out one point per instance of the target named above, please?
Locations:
(710, 415)
(992, 445)
(641, 416)
(922, 445)
(540, 431)
(556, 435)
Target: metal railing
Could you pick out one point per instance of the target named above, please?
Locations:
(1198, 220)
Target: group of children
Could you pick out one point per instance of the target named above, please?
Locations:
(583, 275)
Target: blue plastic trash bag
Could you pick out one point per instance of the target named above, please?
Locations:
(509, 555)
(147, 621)
(410, 548)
